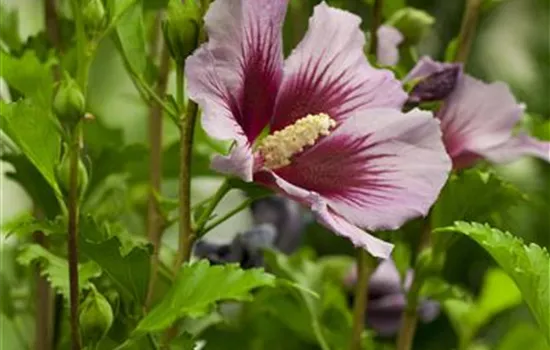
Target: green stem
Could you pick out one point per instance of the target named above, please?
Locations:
(216, 199)
(155, 222)
(149, 93)
(84, 59)
(224, 217)
(187, 126)
(468, 29)
(73, 206)
(376, 21)
(405, 337)
(366, 264)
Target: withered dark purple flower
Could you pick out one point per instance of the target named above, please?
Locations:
(245, 249)
(436, 86)
(287, 217)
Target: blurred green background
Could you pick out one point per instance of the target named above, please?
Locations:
(512, 45)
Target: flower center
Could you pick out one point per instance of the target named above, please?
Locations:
(278, 148)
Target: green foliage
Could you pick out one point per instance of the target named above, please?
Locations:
(197, 288)
(498, 294)
(389, 7)
(494, 198)
(29, 77)
(130, 39)
(36, 186)
(123, 258)
(413, 23)
(527, 265)
(323, 318)
(56, 269)
(523, 336)
(32, 129)
(26, 224)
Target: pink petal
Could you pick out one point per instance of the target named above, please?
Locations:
(477, 118)
(327, 217)
(328, 72)
(377, 169)
(517, 147)
(239, 162)
(235, 76)
(387, 52)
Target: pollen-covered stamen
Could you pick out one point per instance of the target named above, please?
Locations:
(278, 148)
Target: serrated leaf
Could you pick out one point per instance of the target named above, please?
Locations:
(313, 313)
(27, 224)
(34, 132)
(29, 76)
(493, 198)
(198, 287)
(56, 269)
(527, 265)
(124, 258)
(435, 288)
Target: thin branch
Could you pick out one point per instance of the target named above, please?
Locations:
(51, 23)
(155, 220)
(407, 331)
(225, 217)
(365, 267)
(468, 29)
(376, 21)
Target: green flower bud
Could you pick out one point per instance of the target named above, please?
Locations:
(93, 15)
(69, 102)
(63, 175)
(96, 317)
(181, 28)
(413, 23)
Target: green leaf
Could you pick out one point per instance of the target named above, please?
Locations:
(197, 288)
(56, 269)
(527, 265)
(123, 257)
(130, 39)
(450, 51)
(436, 288)
(493, 199)
(391, 6)
(118, 7)
(29, 76)
(27, 224)
(523, 336)
(324, 319)
(498, 293)
(34, 132)
(36, 186)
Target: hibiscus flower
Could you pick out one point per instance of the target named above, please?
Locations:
(337, 140)
(478, 119)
